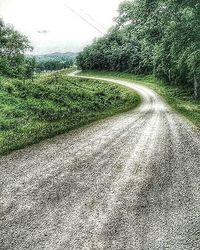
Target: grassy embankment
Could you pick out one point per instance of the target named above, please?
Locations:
(177, 97)
(55, 103)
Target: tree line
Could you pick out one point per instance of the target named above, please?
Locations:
(151, 37)
(52, 65)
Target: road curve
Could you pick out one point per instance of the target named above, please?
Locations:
(127, 182)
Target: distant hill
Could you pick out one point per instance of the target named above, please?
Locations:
(56, 56)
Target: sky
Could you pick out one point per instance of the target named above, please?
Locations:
(60, 25)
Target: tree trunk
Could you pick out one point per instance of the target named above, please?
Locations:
(169, 76)
(195, 87)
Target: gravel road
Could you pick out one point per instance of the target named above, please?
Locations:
(131, 181)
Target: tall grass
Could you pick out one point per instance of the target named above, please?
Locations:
(55, 103)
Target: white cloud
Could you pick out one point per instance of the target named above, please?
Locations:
(66, 30)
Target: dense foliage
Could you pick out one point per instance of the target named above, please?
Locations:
(54, 61)
(13, 46)
(160, 37)
(54, 103)
(52, 65)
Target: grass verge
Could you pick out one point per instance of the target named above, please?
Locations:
(178, 98)
(55, 103)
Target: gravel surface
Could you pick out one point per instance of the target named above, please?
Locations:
(127, 182)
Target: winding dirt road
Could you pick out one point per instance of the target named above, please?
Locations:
(127, 182)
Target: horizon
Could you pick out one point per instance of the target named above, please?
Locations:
(55, 52)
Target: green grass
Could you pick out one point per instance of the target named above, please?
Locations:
(55, 103)
(179, 98)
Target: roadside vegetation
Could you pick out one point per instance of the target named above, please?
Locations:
(177, 96)
(54, 103)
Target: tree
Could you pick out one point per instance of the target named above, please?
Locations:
(13, 46)
(30, 64)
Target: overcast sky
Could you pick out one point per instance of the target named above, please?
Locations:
(58, 25)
